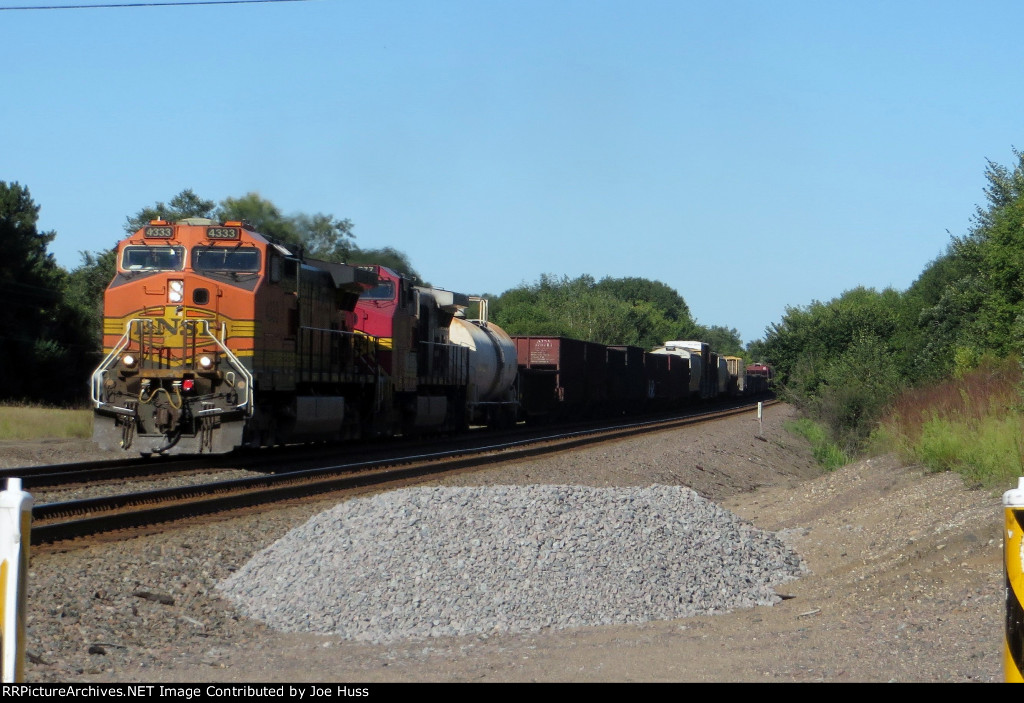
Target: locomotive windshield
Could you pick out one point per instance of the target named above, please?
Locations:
(227, 259)
(384, 290)
(146, 258)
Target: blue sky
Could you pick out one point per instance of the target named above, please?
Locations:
(752, 155)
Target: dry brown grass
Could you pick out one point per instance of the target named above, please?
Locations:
(992, 389)
(27, 422)
(971, 424)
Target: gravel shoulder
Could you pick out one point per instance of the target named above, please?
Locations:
(905, 584)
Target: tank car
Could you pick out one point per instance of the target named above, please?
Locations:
(216, 337)
(491, 390)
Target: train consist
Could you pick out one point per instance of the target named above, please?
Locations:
(216, 337)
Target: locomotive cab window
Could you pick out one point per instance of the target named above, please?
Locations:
(226, 259)
(384, 290)
(146, 258)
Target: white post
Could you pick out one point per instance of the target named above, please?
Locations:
(760, 425)
(15, 528)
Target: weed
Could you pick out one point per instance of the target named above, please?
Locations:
(826, 453)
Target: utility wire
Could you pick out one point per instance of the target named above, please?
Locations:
(178, 3)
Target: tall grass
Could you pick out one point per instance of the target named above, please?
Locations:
(971, 424)
(27, 422)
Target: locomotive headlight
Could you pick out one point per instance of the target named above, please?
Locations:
(128, 360)
(175, 291)
(206, 362)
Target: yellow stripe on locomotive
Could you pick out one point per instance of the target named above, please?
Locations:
(166, 327)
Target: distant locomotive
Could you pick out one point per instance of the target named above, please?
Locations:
(216, 337)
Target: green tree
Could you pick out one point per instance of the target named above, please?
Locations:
(633, 311)
(1004, 187)
(393, 259)
(262, 216)
(969, 301)
(183, 205)
(1002, 269)
(84, 288)
(856, 387)
(725, 341)
(42, 344)
(564, 307)
(327, 238)
(636, 290)
(842, 360)
(808, 337)
(321, 236)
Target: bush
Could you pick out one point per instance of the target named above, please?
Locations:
(855, 391)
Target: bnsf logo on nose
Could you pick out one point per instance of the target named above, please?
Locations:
(166, 326)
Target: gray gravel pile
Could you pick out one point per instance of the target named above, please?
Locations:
(429, 562)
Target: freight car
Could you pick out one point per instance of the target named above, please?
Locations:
(560, 377)
(705, 374)
(217, 337)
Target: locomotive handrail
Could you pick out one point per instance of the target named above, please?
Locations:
(108, 360)
(97, 375)
(443, 362)
(237, 364)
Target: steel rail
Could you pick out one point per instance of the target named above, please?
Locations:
(54, 475)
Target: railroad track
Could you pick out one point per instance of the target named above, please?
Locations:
(92, 471)
(58, 522)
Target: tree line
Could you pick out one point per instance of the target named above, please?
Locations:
(630, 310)
(845, 359)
